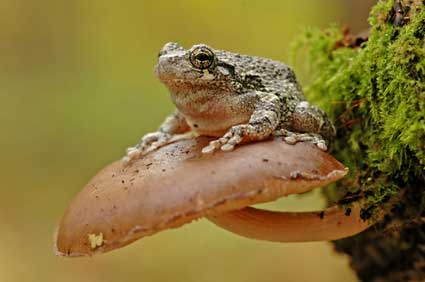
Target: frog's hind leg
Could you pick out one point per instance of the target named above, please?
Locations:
(293, 137)
(309, 124)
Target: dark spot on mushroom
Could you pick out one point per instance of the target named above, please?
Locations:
(163, 170)
(213, 172)
(113, 175)
(322, 215)
(366, 213)
(123, 181)
(112, 230)
(195, 125)
(265, 160)
(338, 223)
(348, 211)
(149, 164)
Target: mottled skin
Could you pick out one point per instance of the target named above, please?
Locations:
(233, 97)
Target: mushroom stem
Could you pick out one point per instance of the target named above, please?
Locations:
(331, 224)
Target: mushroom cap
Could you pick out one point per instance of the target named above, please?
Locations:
(177, 184)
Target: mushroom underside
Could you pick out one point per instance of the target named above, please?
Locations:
(332, 223)
(177, 184)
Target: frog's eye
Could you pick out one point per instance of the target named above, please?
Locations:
(201, 57)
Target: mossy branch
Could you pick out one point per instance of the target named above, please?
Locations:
(375, 92)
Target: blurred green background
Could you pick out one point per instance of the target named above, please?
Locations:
(77, 88)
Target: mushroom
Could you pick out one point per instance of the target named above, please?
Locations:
(177, 184)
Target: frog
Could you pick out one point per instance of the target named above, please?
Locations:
(233, 98)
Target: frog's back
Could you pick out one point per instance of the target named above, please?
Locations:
(273, 75)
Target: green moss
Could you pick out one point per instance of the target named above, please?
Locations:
(376, 96)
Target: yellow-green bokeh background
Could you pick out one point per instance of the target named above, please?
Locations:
(77, 88)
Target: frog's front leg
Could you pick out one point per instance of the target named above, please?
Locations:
(309, 124)
(261, 125)
(170, 130)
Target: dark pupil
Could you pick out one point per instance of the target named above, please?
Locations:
(202, 57)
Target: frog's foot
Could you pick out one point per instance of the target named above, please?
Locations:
(153, 141)
(233, 137)
(293, 137)
(148, 143)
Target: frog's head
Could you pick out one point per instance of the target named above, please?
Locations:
(198, 67)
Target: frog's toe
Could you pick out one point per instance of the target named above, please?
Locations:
(151, 137)
(131, 149)
(208, 149)
(214, 145)
(139, 147)
(231, 143)
(227, 147)
(235, 140)
(227, 142)
(322, 145)
(126, 160)
(291, 140)
(156, 145)
(132, 154)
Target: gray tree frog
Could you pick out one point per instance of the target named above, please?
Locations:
(236, 98)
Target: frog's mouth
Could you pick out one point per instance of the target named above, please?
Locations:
(187, 85)
(186, 75)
